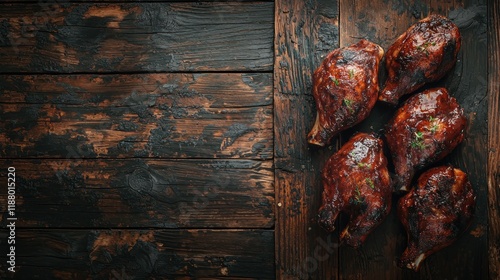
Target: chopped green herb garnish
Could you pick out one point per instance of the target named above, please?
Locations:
(362, 165)
(335, 81)
(351, 73)
(417, 144)
(357, 196)
(348, 104)
(427, 44)
(419, 141)
(370, 183)
(419, 135)
(434, 126)
(424, 47)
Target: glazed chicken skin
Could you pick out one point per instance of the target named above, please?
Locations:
(425, 129)
(423, 54)
(356, 181)
(345, 88)
(435, 213)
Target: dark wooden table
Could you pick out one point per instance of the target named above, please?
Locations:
(166, 140)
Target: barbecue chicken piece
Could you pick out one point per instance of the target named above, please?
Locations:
(435, 213)
(345, 87)
(425, 129)
(423, 54)
(356, 181)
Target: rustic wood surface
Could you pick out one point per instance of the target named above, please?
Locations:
(304, 32)
(494, 138)
(124, 173)
(143, 254)
(297, 49)
(168, 140)
(136, 37)
(149, 115)
(467, 258)
(143, 193)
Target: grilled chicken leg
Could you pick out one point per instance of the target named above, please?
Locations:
(425, 129)
(356, 181)
(435, 213)
(345, 89)
(423, 54)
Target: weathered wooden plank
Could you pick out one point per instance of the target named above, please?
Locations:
(142, 193)
(214, 90)
(360, 22)
(141, 254)
(305, 31)
(46, 3)
(157, 115)
(494, 138)
(148, 37)
(466, 259)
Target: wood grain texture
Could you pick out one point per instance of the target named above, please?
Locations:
(72, 138)
(154, 115)
(359, 21)
(46, 3)
(144, 37)
(465, 259)
(142, 254)
(494, 138)
(142, 193)
(305, 31)
(84, 124)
